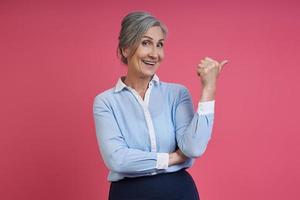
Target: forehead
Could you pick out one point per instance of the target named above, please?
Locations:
(155, 33)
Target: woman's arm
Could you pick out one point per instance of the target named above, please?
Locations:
(177, 157)
(193, 130)
(115, 152)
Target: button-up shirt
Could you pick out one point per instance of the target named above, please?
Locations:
(136, 135)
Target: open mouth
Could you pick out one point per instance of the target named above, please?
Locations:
(152, 63)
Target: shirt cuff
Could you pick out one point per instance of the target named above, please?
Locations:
(162, 161)
(206, 107)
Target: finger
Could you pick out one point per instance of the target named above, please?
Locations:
(201, 66)
(208, 63)
(202, 62)
(201, 70)
(222, 64)
(198, 70)
(211, 60)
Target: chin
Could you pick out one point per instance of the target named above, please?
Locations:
(149, 73)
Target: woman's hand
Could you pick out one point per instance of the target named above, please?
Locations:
(176, 157)
(209, 71)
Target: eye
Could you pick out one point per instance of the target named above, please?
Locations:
(146, 43)
(160, 45)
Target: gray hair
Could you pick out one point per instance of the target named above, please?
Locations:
(134, 25)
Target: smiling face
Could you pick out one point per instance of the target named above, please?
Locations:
(148, 55)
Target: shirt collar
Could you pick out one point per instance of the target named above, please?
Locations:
(121, 85)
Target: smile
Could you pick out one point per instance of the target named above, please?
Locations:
(149, 62)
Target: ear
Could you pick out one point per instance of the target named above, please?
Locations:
(125, 52)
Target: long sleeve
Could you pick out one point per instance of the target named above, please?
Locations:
(114, 150)
(193, 129)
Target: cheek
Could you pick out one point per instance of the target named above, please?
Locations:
(162, 55)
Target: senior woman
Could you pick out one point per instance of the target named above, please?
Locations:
(147, 130)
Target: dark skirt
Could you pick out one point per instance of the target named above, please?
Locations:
(167, 186)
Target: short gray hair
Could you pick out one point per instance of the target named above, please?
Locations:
(134, 25)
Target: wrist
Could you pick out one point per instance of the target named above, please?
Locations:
(172, 159)
(209, 83)
(209, 86)
(208, 93)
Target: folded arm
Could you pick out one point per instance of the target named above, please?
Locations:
(115, 152)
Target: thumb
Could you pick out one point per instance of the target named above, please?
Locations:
(223, 63)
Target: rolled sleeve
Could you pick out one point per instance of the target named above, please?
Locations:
(207, 107)
(162, 161)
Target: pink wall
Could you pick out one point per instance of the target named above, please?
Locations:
(56, 56)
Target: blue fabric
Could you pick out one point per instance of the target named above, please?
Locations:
(123, 135)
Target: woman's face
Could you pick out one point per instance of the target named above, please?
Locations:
(148, 55)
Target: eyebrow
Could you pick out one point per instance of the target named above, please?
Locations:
(145, 36)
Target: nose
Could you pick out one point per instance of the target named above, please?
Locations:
(153, 53)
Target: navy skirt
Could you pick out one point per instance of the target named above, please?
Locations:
(167, 186)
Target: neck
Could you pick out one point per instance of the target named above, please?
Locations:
(139, 84)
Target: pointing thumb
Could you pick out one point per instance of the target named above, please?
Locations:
(223, 63)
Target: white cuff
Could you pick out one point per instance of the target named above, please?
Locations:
(162, 161)
(206, 107)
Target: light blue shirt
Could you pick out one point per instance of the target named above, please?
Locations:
(135, 136)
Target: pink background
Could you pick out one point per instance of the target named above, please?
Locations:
(57, 55)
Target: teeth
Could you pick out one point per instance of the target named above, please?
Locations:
(149, 62)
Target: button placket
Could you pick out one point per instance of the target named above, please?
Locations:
(147, 115)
